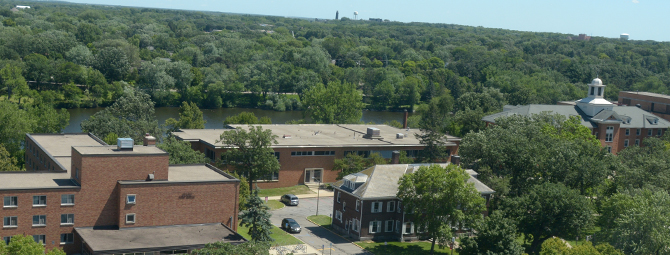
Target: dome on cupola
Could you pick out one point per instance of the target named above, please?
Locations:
(597, 82)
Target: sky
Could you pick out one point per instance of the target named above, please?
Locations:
(642, 19)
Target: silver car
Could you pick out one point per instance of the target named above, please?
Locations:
(289, 199)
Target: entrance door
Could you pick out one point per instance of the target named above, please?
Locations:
(313, 175)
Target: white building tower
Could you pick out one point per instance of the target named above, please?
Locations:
(594, 102)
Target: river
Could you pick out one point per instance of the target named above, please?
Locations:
(215, 117)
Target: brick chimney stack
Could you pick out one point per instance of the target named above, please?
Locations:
(395, 157)
(455, 159)
(404, 123)
(149, 140)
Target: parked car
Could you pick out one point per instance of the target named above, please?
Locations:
(289, 199)
(290, 225)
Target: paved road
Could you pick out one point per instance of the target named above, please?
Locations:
(313, 234)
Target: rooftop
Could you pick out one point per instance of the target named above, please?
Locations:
(35, 180)
(316, 135)
(196, 172)
(113, 150)
(146, 239)
(646, 94)
(382, 180)
(61, 144)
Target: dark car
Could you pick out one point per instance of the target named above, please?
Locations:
(290, 225)
(289, 199)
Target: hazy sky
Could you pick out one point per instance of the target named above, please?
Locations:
(642, 19)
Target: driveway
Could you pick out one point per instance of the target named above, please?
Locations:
(312, 234)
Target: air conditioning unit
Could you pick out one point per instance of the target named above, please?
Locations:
(125, 143)
(399, 135)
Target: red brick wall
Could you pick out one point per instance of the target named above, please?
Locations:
(33, 161)
(660, 104)
(53, 210)
(179, 204)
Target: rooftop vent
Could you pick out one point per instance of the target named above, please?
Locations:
(150, 177)
(399, 136)
(373, 133)
(125, 143)
(287, 136)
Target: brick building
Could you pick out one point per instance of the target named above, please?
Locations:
(365, 206)
(658, 104)
(617, 127)
(307, 152)
(88, 197)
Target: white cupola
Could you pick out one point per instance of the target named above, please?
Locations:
(594, 102)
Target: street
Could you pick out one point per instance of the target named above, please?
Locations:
(312, 234)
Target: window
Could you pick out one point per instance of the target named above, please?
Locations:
(659, 132)
(593, 91)
(338, 215)
(39, 201)
(11, 201)
(346, 226)
(67, 219)
(399, 211)
(375, 227)
(131, 199)
(324, 153)
(377, 207)
(271, 177)
(338, 196)
(7, 239)
(596, 135)
(409, 228)
(609, 149)
(41, 239)
(355, 225)
(313, 153)
(650, 132)
(76, 172)
(638, 131)
(66, 238)
(398, 227)
(10, 222)
(344, 206)
(609, 134)
(358, 205)
(277, 155)
(390, 206)
(130, 218)
(627, 131)
(625, 143)
(389, 226)
(637, 142)
(209, 153)
(600, 91)
(39, 220)
(67, 199)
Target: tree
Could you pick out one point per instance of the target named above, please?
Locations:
(644, 166)
(636, 221)
(557, 246)
(337, 103)
(497, 235)
(16, 123)
(26, 245)
(438, 199)
(249, 152)
(190, 117)
(80, 55)
(257, 218)
(12, 81)
(48, 119)
(354, 163)
(246, 118)
(38, 68)
(132, 115)
(7, 162)
(112, 62)
(248, 248)
(549, 210)
(181, 152)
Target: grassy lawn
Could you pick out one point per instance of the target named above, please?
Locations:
(280, 236)
(406, 248)
(321, 220)
(275, 205)
(295, 190)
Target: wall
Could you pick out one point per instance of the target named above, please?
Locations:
(661, 105)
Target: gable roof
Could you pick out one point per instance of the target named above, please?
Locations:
(382, 181)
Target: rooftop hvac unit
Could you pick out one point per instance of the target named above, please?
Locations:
(125, 143)
(373, 133)
(399, 136)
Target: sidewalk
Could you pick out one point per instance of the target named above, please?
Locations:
(320, 193)
(294, 249)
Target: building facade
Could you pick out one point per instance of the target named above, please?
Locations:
(82, 195)
(616, 127)
(658, 104)
(365, 206)
(307, 152)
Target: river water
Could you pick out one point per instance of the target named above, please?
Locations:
(215, 117)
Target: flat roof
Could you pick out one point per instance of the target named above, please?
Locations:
(194, 173)
(61, 144)
(113, 150)
(316, 135)
(146, 239)
(35, 180)
(647, 94)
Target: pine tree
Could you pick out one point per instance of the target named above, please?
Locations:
(257, 218)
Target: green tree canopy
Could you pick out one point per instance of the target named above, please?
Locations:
(497, 235)
(7, 162)
(26, 245)
(246, 118)
(437, 199)
(257, 218)
(190, 117)
(337, 103)
(13, 82)
(181, 152)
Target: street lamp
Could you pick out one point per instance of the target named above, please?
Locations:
(317, 194)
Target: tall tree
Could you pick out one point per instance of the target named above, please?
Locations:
(438, 199)
(7, 162)
(26, 245)
(181, 152)
(12, 81)
(549, 210)
(190, 117)
(249, 152)
(337, 103)
(497, 235)
(246, 118)
(257, 218)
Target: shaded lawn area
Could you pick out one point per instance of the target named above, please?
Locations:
(275, 205)
(406, 248)
(280, 236)
(295, 190)
(321, 220)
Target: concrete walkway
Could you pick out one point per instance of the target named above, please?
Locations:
(294, 249)
(319, 193)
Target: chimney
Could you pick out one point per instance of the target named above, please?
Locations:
(455, 159)
(639, 106)
(404, 123)
(395, 157)
(149, 140)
